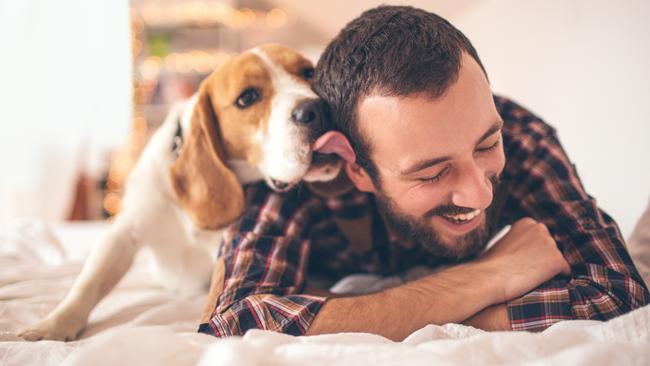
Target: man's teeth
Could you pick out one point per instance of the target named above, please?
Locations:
(464, 217)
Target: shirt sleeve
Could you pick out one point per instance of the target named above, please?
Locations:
(604, 282)
(265, 258)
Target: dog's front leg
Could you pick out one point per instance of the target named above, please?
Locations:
(103, 269)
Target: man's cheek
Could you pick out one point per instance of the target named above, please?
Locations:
(418, 205)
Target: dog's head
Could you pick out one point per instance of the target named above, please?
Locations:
(258, 108)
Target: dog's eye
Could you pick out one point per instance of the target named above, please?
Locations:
(247, 98)
(308, 72)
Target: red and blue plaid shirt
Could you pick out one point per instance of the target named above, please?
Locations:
(281, 240)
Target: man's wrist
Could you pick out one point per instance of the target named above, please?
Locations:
(479, 282)
(490, 280)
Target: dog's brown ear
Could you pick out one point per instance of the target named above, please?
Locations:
(204, 185)
(333, 188)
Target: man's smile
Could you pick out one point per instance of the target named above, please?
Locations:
(461, 224)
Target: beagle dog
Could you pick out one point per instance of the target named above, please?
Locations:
(255, 118)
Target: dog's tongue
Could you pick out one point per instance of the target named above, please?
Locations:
(334, 142)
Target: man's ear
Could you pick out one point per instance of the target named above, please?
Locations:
(204, 185)
(334, 142)
(360, 178)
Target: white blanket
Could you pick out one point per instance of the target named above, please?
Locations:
(139, 323)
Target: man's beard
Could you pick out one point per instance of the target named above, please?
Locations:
(420, 232)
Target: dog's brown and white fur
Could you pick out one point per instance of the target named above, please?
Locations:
(176, 201)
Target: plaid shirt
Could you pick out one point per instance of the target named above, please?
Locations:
(283, 239)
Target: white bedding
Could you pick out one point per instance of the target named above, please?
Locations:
(139, 323)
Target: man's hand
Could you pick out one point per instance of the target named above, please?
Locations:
(492, 318)
(526, 257)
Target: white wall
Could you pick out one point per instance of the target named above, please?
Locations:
(583, 66)
(65, 96)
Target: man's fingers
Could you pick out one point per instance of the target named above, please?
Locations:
(526, 221)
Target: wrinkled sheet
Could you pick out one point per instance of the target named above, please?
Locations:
(140, 323)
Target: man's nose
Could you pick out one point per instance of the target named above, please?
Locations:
(473, 189)
(307, 111)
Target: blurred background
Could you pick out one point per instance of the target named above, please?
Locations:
(83, 83)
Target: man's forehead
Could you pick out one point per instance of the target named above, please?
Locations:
(402, 129)
(406, 128)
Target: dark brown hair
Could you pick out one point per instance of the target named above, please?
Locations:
(390, 51)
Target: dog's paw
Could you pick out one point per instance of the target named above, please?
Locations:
(52, 328)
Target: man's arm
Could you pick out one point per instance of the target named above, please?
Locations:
(524, 258)
(447, 296)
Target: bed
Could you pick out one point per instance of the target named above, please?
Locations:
(140, 323)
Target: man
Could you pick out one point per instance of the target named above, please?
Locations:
(439, 165)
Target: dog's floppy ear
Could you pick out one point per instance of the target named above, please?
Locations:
(204, 185)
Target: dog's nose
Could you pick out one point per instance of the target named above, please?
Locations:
(307, 111)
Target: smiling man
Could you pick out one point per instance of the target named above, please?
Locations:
(439, 165)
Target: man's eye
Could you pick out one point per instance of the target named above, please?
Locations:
(491, 147)
(248, 98)
(435, 178)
